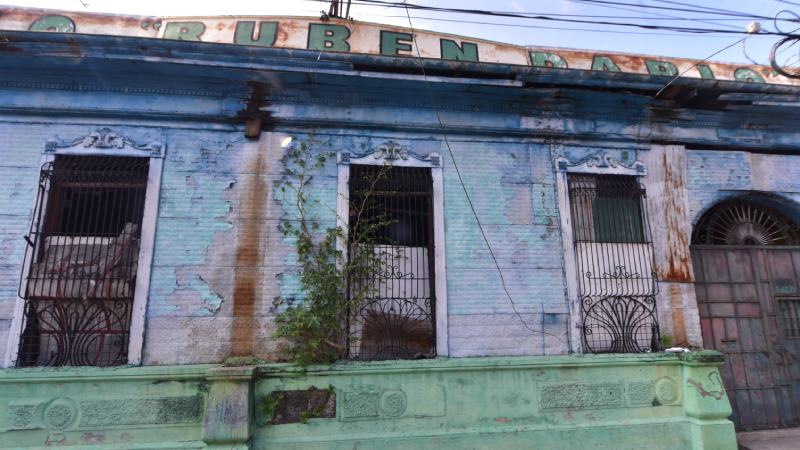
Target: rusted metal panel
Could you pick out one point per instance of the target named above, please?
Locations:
(338, 35)
(738, 296)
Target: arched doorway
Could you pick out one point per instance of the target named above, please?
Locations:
(746, 257)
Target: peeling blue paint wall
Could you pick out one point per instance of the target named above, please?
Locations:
(503, 135)
(512, 188)
(715, 175)
(510, 181)
(191, 272)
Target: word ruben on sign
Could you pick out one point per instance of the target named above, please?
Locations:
(337, 35)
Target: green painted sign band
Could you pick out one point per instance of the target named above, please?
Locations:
(337, 35)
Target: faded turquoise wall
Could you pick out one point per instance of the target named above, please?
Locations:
(659, 401)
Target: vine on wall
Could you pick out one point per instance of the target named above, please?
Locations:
(317, 328)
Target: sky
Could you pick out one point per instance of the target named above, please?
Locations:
(755, 49)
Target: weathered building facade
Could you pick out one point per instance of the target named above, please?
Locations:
(546, 206)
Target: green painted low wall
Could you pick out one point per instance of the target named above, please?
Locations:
(570, 402)
(126, 407)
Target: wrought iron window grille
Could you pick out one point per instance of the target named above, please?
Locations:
(395, 320)
(613, 247)
(82, 259)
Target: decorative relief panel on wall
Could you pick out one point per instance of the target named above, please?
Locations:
(166, 410)
(59, 414)
(580, 396)
(372, 403)
(64, 413)
(639, 393)
(360, 404)
(667, 392)
(393, 403)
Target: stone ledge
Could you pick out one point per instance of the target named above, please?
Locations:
(120, 373)
(495, 363)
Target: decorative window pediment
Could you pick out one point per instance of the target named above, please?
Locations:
(600, 162)
(105, 141)
(391, 153)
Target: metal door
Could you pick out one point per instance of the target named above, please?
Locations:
(749, 302)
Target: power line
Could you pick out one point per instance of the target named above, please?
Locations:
(596, 16)
(390, 4)
(697, 64)
(666, 15)
(668, 8)
(540, 27)
(708, 8)
(466, 193)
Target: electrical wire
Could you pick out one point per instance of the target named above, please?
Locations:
(708, 8)
(697, 64)
(668, 8)
(466, 194)
(540, 27)
(702, 20)
(392, 4)
(596, 16)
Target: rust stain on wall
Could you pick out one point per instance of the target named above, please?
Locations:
(678, 320)
(247, 288)
(678, 258)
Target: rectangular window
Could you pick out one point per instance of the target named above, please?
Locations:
(606, 208)
(615, 271)
(82, 261)
(395, 318)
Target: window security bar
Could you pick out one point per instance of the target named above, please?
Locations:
(395, 317)
(82, 259)
(614, 252)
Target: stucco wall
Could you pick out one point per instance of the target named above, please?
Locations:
(662, 401)
(715, 175)
(219, 254)
(512, 189)
(21, 147)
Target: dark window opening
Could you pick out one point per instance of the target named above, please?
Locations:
(606, 208)
(82, 259)
(394, 318)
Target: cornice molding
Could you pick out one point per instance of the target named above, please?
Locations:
(90, 87)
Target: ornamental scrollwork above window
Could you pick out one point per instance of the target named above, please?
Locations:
(599, 160)
(390, 152)
(104, 139)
